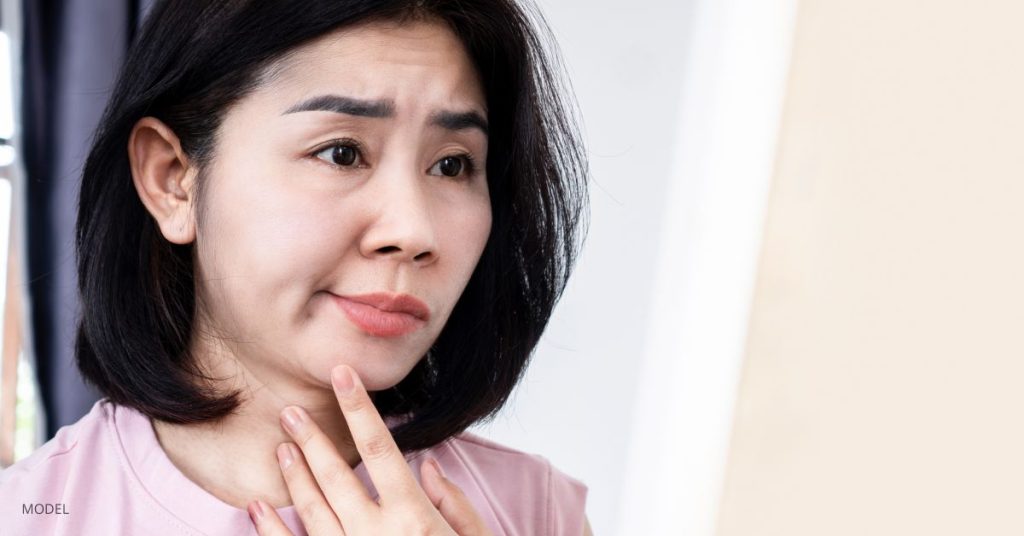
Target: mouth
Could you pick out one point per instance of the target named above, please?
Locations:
(382, 314)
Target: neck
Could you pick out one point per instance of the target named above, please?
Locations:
(235, 458)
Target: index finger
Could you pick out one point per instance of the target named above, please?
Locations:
(384, 461)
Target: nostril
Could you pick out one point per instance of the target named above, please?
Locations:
(421, 257)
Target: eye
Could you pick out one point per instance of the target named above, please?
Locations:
(341, 153)
(453, 166)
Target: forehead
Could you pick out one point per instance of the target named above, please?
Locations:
(416, 64)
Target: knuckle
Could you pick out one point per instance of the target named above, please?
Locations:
(308, 511)
(304, 438)
(377, 447)
(456, 493)
(332, 474)
(416, 526)
(358, 404)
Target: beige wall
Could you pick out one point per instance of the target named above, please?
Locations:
(883, 392)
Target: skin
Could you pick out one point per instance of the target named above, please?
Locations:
(287, 223)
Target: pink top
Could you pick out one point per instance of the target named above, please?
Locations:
(107, 474)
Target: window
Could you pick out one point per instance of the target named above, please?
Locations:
(19, 402)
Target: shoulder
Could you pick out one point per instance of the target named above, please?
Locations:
(42, 477)
(53, 455)
(525, 492)
(493, 458)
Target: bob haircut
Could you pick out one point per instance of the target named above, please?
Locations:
(190, 62)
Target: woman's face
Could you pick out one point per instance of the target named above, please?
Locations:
(344, 176)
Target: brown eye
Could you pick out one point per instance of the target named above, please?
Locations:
(340, 154)
(450, 166)
(453, 166)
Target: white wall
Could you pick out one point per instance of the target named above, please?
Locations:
(632, 387)
(575, 405)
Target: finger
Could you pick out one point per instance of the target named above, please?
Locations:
(338, 483)
(267, 522)
(316, 514)
(449, 499)
(384, 462)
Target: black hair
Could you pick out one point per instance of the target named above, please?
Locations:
(189, 63)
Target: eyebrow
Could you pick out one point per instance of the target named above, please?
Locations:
(383, 108)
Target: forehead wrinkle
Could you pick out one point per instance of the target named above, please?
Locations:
(310, 64)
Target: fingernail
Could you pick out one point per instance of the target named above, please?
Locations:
(342, 379)
(292, 419)
(284, 455)
(437, 467)
(255, 511)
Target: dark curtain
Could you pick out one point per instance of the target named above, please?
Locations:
(72, 51)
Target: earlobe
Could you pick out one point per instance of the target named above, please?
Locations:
(163, 178)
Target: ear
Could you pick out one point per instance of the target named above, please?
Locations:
(163, 178)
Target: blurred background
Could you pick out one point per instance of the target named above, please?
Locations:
(799, 310)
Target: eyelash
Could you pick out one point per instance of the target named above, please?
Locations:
(469, 162)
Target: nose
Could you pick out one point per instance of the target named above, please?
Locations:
(403, 228)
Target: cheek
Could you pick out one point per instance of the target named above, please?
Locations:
(466, 234)
(266, 245)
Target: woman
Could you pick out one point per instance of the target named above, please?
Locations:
(316, 241)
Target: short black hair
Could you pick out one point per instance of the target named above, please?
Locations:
(193, 59)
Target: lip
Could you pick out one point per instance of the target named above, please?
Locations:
(383, 314)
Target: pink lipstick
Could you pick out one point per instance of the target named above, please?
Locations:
(383, 314)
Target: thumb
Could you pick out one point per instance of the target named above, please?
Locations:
(451, 501)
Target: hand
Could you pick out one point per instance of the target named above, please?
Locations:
(330, 498)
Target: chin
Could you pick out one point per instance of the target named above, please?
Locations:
(375, 381)
(379, 366)
(376, 375)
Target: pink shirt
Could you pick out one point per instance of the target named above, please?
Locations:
(107, 474)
